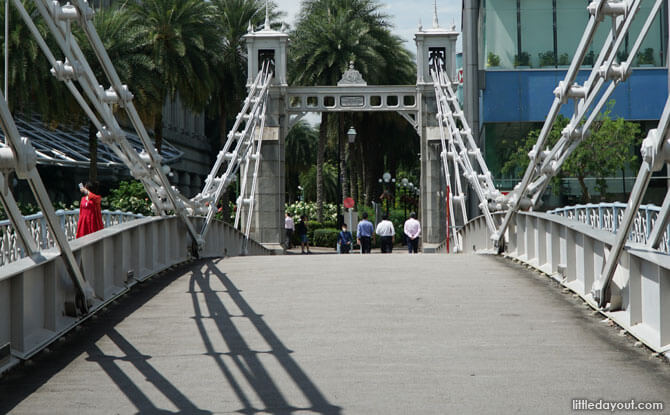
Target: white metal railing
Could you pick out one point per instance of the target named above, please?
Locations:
(10, 249)
(573, 253)
(608, 216)
(38, 305)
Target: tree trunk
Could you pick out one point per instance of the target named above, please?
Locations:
(93, 153)
(585, 190)
(320, 154)
(158, 130)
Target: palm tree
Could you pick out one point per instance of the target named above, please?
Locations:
(31, 86)
(126, 46)
(182, 39)
(301, 144)
(329, 34)
(233, 18)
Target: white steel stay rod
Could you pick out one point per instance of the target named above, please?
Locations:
(641, 183)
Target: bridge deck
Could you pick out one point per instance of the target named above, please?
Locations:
(380, 334)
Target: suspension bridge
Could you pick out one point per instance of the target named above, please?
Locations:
(179, 312)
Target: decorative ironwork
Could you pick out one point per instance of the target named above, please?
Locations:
(609, 217)
(10, 248)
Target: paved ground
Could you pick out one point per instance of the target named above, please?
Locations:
(378, 334)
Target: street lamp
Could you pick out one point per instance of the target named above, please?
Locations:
(385, 180)
(351, 138)
(351, 134)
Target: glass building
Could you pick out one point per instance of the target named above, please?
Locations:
(545, 33)
(523, 48)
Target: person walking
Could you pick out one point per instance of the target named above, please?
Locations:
(364, 234)
(289, 227)
(412, 229)
(90, 211)
(386, 234)
(301, 230)
(344, 240)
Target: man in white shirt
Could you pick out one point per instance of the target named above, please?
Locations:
(289, 227)
(386, 234)
(412, 231)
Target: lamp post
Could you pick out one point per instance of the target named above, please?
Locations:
(351, 138)
(385, 180)
(404, 183)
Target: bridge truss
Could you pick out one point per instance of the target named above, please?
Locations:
(589, 99)
(460, 151)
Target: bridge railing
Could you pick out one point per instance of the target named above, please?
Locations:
(37, 297)
(573, 253)
(608, 216)
(10, 249)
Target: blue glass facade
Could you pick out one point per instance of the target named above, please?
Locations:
(526, 95)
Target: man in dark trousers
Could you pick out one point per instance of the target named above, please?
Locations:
(386, 233)
(364, 234)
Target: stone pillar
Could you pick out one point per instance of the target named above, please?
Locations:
(268, 216)
(435, 45)
(270, 46)
(433, 183)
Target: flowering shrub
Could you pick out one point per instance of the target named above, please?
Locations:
(298, 209)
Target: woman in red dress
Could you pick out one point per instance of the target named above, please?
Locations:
(90, 212)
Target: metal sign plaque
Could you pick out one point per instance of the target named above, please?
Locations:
(352, 101)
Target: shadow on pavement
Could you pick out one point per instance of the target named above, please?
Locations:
(245, 359)
(24, 380)
(19, 383)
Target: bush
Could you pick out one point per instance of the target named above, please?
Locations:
(589, 59)
(492, 60)
(547, 58)
(130, 196)
(326, 237)
(522, 59)
(313, 226)
(646, 57)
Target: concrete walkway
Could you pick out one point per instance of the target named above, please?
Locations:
(329, 334)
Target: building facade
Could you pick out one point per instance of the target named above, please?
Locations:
(516, 52)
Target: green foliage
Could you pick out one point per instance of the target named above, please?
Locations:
(604, 153)
(564, 59)
(328, 35)
(25, 208)
(589, 59)
(622, 55)
(301, 144)
(646, 57)
(308, 182)
(298, 209)
(492, 60)
(127, 46)
(325, 237)
(547, 58)
(522, 59)
(130, 196)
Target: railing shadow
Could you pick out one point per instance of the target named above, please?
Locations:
(245, 359)
(22, 382)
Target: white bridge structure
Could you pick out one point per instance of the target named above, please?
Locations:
(49, 284)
